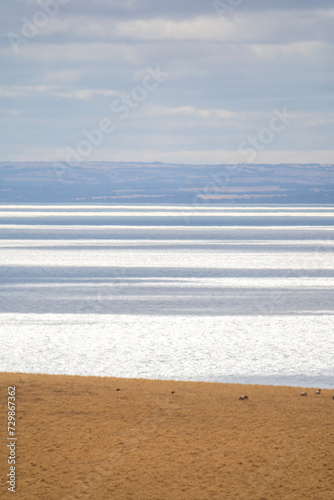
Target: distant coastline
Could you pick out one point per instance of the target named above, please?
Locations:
(164, 183)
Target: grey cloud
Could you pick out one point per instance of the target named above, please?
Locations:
(183, 9)
(12, 12)
(268, 59)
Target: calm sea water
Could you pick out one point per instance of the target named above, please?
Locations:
(232, 294)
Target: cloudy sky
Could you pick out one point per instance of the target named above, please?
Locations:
(189, 81)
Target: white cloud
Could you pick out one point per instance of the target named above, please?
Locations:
(85, 94)
(275, 51)
(216, 113)
(53, 91)
(162, 29)
(191, 110)
(243, 26)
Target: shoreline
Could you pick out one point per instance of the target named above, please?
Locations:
(105, 437)
(256, 382)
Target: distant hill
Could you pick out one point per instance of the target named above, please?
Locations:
(116, 182)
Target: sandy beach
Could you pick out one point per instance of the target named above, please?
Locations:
(109, 438)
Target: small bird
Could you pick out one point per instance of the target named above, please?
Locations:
(242, 398)
(173, 392)
(318, 392)
(303, 393)
(118, 390)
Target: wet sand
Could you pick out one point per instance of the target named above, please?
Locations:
(81, 437)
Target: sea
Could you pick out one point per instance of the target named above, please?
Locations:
(241, 294)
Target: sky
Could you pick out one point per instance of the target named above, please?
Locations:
(177, 81)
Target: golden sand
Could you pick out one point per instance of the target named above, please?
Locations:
(80, 437)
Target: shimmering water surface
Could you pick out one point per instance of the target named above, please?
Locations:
(236, 294)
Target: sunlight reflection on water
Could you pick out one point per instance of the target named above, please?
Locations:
(227, 301)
